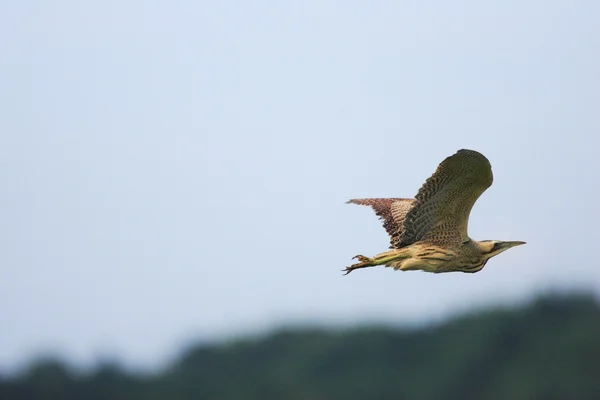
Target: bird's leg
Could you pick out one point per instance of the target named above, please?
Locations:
(365, 262)
(379, 259)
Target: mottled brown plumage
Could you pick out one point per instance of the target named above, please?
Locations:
(392, 212)
(430, 231)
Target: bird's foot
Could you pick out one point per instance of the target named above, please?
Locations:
(365, 262)
(362, 259)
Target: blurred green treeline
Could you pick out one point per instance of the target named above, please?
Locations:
(549, 349)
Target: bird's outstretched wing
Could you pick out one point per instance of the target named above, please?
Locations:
(444, 202)
(391, 211)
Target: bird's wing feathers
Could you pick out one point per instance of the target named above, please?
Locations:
(391, 211)
(443, 204)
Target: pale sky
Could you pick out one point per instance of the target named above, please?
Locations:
(177, 171)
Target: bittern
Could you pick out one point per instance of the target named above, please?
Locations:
(429, 232)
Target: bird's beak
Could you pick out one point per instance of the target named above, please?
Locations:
(508, 245)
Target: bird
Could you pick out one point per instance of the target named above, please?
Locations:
(429, 232)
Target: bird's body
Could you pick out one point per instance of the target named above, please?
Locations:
(429, 232)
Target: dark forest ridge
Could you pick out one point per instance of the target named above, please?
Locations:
(547, 350)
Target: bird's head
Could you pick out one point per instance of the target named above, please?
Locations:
(491, 248)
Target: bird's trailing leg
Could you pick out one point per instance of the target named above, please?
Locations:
(379, 259)
(365, 262)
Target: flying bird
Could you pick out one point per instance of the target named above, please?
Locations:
(429, 232)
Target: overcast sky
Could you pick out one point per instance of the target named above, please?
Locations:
(177, 171)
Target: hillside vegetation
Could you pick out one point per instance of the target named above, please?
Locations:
(547, 350)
